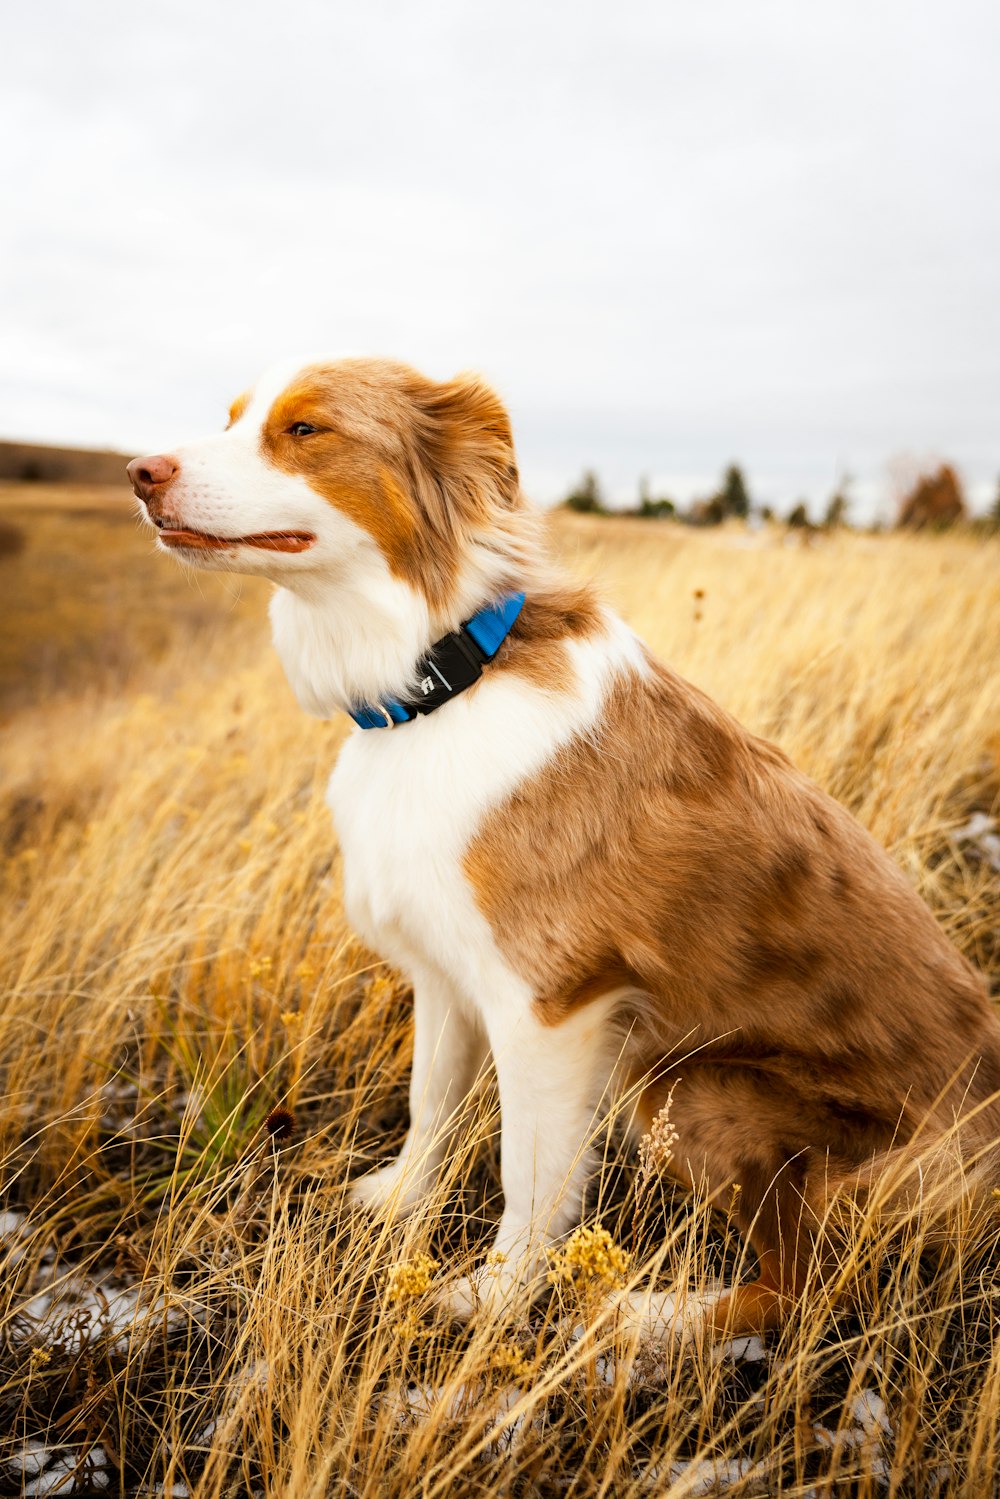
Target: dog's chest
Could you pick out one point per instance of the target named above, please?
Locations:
(409, 802)
(404, 819)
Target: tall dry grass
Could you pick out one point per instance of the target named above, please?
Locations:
(188, 1299)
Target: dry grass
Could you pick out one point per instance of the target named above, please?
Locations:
(189, 1301)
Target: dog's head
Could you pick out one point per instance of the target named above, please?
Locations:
(333, 462)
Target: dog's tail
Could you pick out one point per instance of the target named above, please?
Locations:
(946, 1176)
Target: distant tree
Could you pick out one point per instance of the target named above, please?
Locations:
(661, 509)
(766, 513)
(707, 512)
(732, 498)
(650, 507)
(836, 510)
(799, 516)
(934, 503)
(586, 497)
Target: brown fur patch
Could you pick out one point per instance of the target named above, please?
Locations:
(425, 468)
(536, 646)
(237, 409)
(767, 962)
(824, 1012)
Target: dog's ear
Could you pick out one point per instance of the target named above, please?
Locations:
(465, 446)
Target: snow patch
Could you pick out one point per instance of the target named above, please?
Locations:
(75, 1309)
(32, 1458)
(749, 1350)
(868, 1410)
(702, 1475)
(981, 832)
(871, 1426)
(48, 1470)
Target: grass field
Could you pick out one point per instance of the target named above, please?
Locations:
(189, 1304)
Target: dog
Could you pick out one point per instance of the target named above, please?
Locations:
(585, 867)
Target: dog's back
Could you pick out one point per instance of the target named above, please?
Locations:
(672, 851)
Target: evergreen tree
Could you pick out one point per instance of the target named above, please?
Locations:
(836, 511)
(586, 497)
(650, 508)
(732, 498)
(735, 491)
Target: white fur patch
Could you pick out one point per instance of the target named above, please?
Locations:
(407, 803)
(227, 487)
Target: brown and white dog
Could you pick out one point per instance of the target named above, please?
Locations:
(581, 858)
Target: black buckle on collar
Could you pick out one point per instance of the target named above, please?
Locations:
(453, 665)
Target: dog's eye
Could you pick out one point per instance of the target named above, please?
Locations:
(300, 429)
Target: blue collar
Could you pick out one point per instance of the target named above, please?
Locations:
(451, 665)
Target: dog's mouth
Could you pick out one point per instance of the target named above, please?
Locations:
(173, 535)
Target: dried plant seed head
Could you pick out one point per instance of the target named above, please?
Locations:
(657, 1148)
(512, 1364)
(410, 1278)
(589, 1255)
(280, 1123)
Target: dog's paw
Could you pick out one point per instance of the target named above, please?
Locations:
(390, 1192)
(498, 1286)
(459, 1298)
(661, 1317)
(479, 1294)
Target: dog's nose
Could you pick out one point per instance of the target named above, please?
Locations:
(150, 477)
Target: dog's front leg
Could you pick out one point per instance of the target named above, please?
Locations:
(448, 1053)
(553, 1081)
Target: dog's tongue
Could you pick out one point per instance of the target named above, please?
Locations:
(271, 541)
(192, 539)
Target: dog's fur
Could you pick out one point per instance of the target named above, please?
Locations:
(582, 847)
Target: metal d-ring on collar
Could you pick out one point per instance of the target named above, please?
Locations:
(451, 665)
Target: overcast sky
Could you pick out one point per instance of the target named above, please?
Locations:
(671, 234)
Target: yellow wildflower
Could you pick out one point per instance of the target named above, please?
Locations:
(512, 1364)
(589, 1254)
(408, 1279)
(408, 1326)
